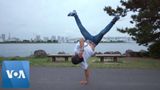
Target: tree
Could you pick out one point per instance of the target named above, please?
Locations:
(146, 18)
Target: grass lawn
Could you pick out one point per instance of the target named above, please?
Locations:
(128, 63)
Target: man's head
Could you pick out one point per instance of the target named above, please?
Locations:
(76, 59)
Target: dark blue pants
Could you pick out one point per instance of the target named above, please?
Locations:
(97, 38)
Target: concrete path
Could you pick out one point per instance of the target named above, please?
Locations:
(49, 78)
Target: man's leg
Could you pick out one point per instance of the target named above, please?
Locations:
(84, 32)
(99, 36)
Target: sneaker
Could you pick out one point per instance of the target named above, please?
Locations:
(115, 18)
(73, 13)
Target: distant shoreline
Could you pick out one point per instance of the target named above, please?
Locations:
(51, 43)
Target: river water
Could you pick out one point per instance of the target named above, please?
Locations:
(11, 50)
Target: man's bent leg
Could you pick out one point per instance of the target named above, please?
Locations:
(99, 36)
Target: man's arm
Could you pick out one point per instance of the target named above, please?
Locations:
(86, 77)
(87, 74)
(81, 42)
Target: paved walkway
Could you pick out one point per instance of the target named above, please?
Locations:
(49, 78)
(101, 79)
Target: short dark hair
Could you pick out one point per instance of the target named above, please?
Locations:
(76, 59)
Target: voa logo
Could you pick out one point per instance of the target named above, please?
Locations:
(13, 73)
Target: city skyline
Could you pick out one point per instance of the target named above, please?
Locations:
(39, 38)
(28, 18)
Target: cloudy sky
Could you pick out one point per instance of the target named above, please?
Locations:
(27, 18)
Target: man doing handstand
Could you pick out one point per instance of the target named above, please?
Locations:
(85, 47)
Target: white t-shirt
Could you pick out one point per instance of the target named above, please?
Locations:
(88, 52)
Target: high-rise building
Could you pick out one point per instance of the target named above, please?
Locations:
(45, 39)
(59, 38)
(9, 37)
(3, 37)
(37, 38)
(66, 39)
(53, 38)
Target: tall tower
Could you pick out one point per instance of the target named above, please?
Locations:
(3, 37)
(9, 37)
